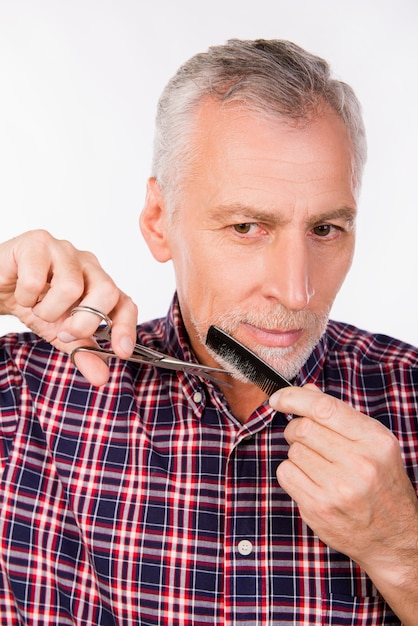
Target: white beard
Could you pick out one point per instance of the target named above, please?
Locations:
(287, 361)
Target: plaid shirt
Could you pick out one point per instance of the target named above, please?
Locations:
(146, 502)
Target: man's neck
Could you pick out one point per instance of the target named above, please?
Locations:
(243, 399)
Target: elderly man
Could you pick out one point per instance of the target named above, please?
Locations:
(144, 496)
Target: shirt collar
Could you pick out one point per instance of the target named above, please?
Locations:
(176, 338)
(311, 371)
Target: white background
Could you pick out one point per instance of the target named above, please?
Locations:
(79, 82)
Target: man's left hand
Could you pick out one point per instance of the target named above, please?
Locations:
(345, 471)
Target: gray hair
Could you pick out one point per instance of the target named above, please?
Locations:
(271, 77)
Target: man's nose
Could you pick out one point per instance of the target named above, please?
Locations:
(287, 272)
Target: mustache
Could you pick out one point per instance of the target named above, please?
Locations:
(277, 318)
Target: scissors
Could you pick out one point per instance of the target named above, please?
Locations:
(142, 354)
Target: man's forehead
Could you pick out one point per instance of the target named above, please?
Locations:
(240, 158)
(229, 126)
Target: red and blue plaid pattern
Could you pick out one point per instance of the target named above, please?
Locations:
(128, 504)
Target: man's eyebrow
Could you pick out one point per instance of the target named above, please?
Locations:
(242, 212)
(345, 213)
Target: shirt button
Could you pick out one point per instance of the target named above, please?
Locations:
(197, 397)
(245, 547)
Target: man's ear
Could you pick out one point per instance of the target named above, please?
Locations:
(153, 222)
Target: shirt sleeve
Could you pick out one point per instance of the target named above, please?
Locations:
(10, 390)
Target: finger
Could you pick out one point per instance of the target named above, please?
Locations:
(326, 507)
(74, 275)
(48, 274)
(329, 444)
(29, 272)
(62, 294)
(324, 409)
(123, 318)
(315, 484)
(314, 465)
(297, 483)
(124, 321)
(345, 478)
(94, 368)
(84, 321)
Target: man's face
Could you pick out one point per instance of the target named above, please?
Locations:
(264, 234)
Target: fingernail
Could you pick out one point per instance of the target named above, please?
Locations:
(66, 337)
(274, 397)
(127, 345)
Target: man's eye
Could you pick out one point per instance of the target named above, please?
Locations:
(323, 230)
(243, 229)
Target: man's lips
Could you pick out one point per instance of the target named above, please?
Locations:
(273, 338)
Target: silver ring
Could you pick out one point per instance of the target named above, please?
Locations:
(89, 309)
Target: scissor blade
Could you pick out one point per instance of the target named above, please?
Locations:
(162, 361)
(150, 355)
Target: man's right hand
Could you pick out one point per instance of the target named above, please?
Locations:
(42, 279)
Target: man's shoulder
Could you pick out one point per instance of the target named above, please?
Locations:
(15, 343)
(364, 345)
(154, 333)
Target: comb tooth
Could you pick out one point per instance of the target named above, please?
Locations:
(270, 387)
(267, 385)
(248, 363)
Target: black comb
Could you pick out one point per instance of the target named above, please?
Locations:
(248, 363)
